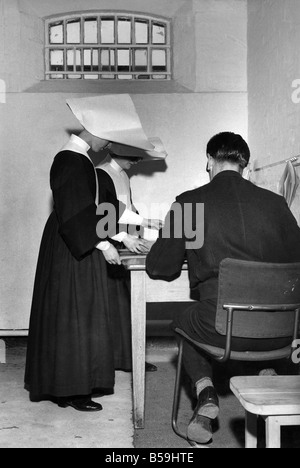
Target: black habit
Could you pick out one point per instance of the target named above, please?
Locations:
(70, 346)
(119, 295)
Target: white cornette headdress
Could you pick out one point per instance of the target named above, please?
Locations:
(158, 153)
(113, 118)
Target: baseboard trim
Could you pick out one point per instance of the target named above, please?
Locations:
(161, 355)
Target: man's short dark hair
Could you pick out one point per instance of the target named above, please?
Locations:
(228, 146)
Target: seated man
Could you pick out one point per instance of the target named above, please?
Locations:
(241, 221)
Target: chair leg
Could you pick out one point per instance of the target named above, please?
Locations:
(177, 392)
(273, 439)
(251, 431)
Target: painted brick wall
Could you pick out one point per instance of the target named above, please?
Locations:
(34, 126)
(273, 65)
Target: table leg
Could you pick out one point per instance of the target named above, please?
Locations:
(251, 431)
(138, 324)
(2, 352)
(273, 433)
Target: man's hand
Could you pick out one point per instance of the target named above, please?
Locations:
(152, 224)
(136, 245)
(112, 256)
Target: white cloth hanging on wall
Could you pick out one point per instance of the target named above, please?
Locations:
(289, 183)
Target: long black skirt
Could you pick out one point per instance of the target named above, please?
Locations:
(119, 298)
(70, 345)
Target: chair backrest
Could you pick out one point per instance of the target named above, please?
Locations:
(254, 283)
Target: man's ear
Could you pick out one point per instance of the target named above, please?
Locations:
(210, 162)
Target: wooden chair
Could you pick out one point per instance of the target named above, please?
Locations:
(276, 399)
(255, 301)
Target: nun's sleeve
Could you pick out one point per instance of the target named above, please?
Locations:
(74, 203)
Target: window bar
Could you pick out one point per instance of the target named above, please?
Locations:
(95, 52)
(65, 77)
(109, 60)
(150, 32)
(65, 31)
(150, 58)
(116, 29)
(133, 38)
(99, 29)
(168, 62)
(65, 66)
(113, 68)
(149, 61)
(81, 62)
(168, 34)
(74, 60)
(133, 58)
(47, 63)
(81, 31)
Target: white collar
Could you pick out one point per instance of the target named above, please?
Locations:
(109, 160)
(77, 145)
(115, 165)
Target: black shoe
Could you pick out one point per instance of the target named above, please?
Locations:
(207, 408)
(208, 404)
(200, 429)
(85, 405)
(150, 367)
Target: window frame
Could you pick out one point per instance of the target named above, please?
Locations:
(115, 75)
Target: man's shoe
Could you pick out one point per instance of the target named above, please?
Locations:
(268, 373)
(200, 429)
(84, 405)
(208, 404)
(207, 408)
(150, 367)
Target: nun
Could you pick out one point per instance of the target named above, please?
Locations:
(115, 187)
(70, 352)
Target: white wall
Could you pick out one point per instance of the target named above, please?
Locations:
(273, 65)
(34, 126)
(221, 42)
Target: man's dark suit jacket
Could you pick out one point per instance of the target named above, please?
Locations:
(241, 221)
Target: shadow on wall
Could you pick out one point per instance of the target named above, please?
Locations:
(147, 169)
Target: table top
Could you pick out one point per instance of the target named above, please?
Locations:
(267, 396)
(132, 261)
(137, 262)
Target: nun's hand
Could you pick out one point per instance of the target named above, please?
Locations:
(156, 224)
(112, 256)
(136, 245)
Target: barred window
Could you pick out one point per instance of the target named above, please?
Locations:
(108, 47)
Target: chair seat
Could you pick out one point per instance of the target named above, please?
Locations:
(267, 396)
(236, 355)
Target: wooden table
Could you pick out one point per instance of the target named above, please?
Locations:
(144, 290)
(276, 399)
